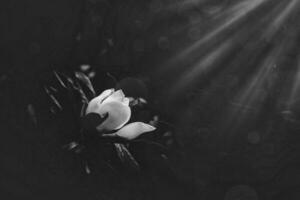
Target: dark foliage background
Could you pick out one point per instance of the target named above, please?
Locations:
(130, 38)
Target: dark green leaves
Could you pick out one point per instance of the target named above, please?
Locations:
(92, 120)
(69, 92)
(86, 84)
(126, 157)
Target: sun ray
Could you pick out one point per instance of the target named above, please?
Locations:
(208, 62)
(253, 95)
(224, 21)
(295, 91)
(238, 12)
(201, 67)
(282, 17)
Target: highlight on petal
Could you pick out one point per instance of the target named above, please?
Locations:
(142, 100)
(118, 115)
(95, 103)
(116, 96)
(133, 130)
(106, 93)
(131, 99)
(126, 101)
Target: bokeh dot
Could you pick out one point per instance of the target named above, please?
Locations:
(92, 74)
(85, 67)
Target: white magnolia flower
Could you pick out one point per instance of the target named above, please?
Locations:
(116, 105)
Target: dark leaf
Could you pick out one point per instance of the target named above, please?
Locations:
(153, 144)
(77, 91)
(32, 114)
(74, 146)
(92, 120)
(83, 96)
(53, 110)
(59, 79)
(52, 89)
(76, 97)
(85, 81)
(125, 156)
(71, 145)
(53, 99)
(65, 94)
(87, 169)
(47, 90)
(113, 138)
(83, 108)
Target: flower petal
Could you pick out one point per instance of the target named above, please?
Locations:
(126, 101)
(95, 103)
(133, 130)
(118, 115)
(106, 93)
(116, 96)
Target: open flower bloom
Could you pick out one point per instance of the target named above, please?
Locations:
(116, 105)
